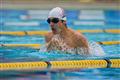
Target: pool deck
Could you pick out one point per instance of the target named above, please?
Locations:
(48, 4)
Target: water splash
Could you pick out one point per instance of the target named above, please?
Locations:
(43, 48)
(95, 49)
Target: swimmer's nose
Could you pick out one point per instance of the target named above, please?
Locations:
(51, 24)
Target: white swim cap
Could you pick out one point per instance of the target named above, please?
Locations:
(57, 13)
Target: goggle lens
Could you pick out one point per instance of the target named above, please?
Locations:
(54, 20)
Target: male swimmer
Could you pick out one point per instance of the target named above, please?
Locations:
(61, 37)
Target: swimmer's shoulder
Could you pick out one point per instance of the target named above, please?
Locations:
(48, 36)
(79, 37)
(75, 32)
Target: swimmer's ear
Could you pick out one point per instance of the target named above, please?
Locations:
(64, 22)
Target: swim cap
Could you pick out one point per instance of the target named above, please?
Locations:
(57, 13)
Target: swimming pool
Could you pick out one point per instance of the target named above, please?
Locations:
(22, 54)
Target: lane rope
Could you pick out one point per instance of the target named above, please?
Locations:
(71, 64)
(37, 46)
(42, 33)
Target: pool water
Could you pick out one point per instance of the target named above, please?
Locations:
(22, 54)
(83, 74)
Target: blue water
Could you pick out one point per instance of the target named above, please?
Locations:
(20, 54)
(83, 74)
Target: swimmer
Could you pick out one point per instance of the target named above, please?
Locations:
(63, 38)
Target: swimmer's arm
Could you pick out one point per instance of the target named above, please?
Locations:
(48, 36)
(81, 40)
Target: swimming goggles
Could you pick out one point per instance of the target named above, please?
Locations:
(54, 20)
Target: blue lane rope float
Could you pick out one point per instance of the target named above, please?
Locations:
(56, 65)
(37, 46)
(23, 33)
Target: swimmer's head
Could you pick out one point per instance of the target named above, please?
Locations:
(57, 13)
(57, 19)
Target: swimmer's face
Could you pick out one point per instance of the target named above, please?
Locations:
(55, 24)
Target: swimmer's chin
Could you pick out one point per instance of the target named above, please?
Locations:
(55, 31)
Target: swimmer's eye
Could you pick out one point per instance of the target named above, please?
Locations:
(54, 20)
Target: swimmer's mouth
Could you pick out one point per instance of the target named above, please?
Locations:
(54, 30)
